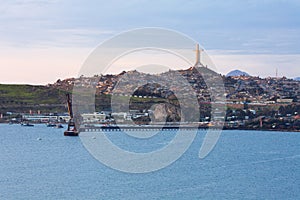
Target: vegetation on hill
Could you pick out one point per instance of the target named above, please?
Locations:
(22, 98)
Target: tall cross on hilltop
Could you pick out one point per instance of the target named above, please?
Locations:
(198, 57)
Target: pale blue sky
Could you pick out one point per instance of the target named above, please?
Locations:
(52, 38)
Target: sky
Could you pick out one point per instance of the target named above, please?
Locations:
(42, 41)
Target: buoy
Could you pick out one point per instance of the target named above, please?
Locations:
(94, 137)
(38, 138)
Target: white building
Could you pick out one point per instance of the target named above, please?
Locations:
(93, 117)
(40, 118)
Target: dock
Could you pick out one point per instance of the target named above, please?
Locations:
(139, 128)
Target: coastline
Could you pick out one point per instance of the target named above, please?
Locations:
(94, 127)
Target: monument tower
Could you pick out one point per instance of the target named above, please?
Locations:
(198, 57)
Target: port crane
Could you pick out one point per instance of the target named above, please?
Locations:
(72, 130)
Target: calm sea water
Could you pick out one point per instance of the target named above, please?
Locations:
(243, 165)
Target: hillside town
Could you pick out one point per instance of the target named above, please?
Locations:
(251, 102)
(255, 90)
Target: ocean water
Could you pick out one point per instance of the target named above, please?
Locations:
(243, 165)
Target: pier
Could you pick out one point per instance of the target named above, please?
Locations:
(139, 128)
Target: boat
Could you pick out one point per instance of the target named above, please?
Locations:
(71, 131)
(59, 126)
(26, 124)
(51, 125)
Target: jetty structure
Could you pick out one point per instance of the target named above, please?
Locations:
(174, 127)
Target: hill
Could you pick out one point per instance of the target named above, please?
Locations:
(51, 98)
(22, 98)
(237, 73)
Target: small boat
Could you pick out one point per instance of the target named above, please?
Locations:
(59, 126)
(51, 125)
(26, 124)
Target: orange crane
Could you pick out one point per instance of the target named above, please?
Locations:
(72, 130)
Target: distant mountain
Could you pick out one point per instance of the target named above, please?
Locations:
(237, 73)
(297, 79)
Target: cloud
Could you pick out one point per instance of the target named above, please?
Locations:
(245, 25)
(248, 34)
